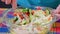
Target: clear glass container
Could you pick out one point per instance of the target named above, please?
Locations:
(27, 29)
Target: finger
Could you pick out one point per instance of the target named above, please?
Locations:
(14, 4)
(3, 0)
(56, 11)
(58, 8)
(53, 12)
(58, 15)
(8, 1)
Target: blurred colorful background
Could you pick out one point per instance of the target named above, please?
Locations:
(55, 29)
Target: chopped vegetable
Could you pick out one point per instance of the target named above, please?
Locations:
(38, 28)
(24, 22)
(34, 18)
(15, 19)
(24, 10)
(47, 12)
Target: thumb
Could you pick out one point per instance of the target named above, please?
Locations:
(14, 4)
(58, 8)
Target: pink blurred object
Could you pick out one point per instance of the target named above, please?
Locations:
(1, 13)
(57, 12)
(2, 25)
(38, 8)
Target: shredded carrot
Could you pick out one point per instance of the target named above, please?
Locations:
(49, 18)
(44, 13)
(38, 28)
(27, 13)
(32, 12)
(52, 15)
(15, 14)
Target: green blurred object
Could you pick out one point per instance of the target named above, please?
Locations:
(47, 11)
(25, 10)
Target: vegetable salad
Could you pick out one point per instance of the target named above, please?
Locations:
(31, 21)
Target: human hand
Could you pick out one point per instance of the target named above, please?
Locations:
(57, 12)
(12, 2)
